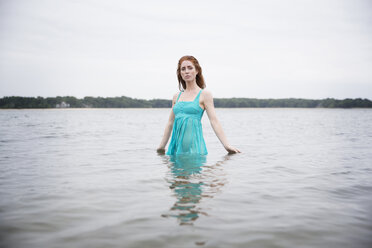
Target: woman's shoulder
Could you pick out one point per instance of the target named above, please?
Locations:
(175, 95)
(206, 93)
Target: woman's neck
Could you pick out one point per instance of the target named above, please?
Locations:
(191, 86)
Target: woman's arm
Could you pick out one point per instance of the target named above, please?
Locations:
(216, 125)
(168, 129)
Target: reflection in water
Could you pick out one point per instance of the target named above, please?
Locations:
(191, 180)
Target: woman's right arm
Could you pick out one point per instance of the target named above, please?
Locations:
(168, 129)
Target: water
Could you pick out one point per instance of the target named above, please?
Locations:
(92, 178)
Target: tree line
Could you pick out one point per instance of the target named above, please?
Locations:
(11, 102)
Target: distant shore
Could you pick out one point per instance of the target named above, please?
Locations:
(19, 102)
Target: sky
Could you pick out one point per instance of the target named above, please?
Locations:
(312, 49)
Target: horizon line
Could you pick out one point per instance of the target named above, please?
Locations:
(171, 99)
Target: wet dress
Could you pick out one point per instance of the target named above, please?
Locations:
(187, 134)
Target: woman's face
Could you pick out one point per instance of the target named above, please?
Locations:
(188, 71)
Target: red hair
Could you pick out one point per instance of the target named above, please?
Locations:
(199, 77)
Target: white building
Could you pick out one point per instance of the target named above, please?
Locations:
(62, 105)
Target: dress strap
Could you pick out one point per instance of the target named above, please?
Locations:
(179, 96)
(197, 97)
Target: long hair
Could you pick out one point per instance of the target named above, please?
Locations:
(199, 77)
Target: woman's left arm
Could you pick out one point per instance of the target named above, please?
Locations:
(216, 125)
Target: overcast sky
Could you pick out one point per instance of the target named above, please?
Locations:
(256, 49)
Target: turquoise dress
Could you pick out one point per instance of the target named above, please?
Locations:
(187, 134)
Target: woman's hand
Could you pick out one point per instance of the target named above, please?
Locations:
(231, 149)
(160, 150)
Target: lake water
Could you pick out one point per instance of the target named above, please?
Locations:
(92, 178)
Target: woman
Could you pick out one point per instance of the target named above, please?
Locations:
(187, 110)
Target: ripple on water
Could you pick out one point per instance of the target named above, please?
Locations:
(96, 181)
